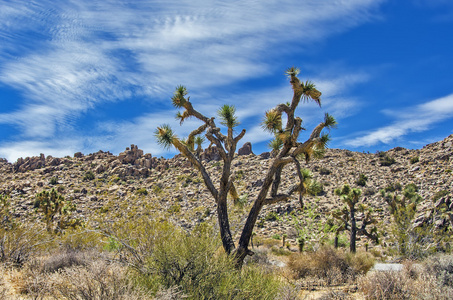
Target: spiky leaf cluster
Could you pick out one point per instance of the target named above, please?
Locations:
(309, 91)
(178, 99)
(164, 136)
(272, 121)
(348, 195)
(227, 116)
(51, 204)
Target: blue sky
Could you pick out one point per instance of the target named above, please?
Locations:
(89, 75)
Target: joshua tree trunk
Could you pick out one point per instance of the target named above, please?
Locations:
(353, 231)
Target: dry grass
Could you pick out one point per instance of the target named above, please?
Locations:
(428, 280)
(330, 266)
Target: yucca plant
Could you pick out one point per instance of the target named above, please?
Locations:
(347, 216)
(55, 210)
(287, 149)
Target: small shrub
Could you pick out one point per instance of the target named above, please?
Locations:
(53, 181)
(98, 280)
(157, 189)
(276, 237)
(361, 180)
(440, 194)
(174, 209)
(88, 176)
(326, 264)
(414, 159)
(360, 262)
(386, 161)
(393, 187)
(271, 216)
(315, 188)
(142, 192)
(324, 171)
(385, 285)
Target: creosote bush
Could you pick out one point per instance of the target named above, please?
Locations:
(163, 256)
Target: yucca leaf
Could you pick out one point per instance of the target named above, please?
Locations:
(199, 140)
(275, 144)
(226, 114)
(293, 71)
(178, 99)
(164, 136)
(329, 121)
(272, 121)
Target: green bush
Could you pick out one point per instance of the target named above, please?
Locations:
(88, 176)
(53, 181)
(414, 159)
(192, 261)
(386, 161)
(142, 191)
(361, 180)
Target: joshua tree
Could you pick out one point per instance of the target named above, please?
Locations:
(348, 216)
(287, 151)
(51, 204)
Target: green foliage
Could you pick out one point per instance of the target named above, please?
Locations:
(324, 171)
(275, 144)
(271, 216)
(440, 194)
(88, 176)
(227, 117)
(311, 232)
(386, 160)
(53, 181)
(414, 159)
(142, 192)
(164, 136)
(393, 187)
(55, 209)
(276, 237)
(409, 241)
(293, 71)
(350, 196)
(362, 180)
(329, 121)
(178, 99)
(174, 209)
(6, 219)
(165, 256)
(315, 188)
(272, 122)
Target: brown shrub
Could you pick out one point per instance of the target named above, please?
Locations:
(98, 280)
(428, 280)
(326, 264)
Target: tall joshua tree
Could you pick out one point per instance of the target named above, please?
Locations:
(287, 150)
(348, 216)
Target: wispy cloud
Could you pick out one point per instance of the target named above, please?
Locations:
(86, 53)
(413, 119)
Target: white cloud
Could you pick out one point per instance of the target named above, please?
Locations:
(84, 53)
(413, 119)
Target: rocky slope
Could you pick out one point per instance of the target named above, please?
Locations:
(105, 186)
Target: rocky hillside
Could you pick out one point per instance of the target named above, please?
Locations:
(105, 186)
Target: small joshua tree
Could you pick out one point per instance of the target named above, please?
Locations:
(286, 145)
(6, 220)
(410, 241)
(348, 216)
(55, 209)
